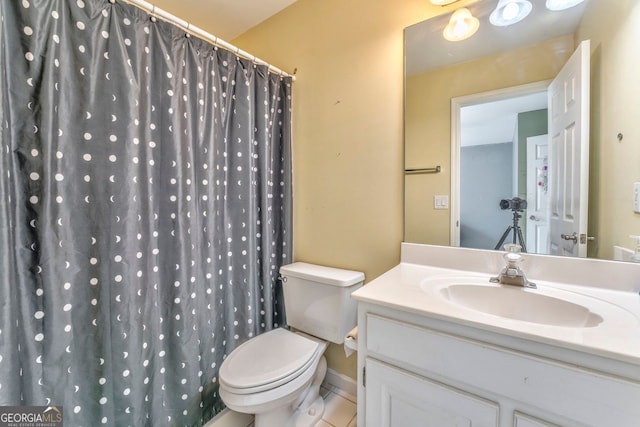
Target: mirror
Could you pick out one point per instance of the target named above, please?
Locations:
(443, 78)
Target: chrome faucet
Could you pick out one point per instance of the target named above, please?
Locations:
(512, 274)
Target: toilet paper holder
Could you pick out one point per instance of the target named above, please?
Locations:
(351, 342)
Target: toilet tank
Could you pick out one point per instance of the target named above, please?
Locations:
(317, 299)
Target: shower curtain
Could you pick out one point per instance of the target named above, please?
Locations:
(145, 209)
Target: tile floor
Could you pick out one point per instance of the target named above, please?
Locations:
(339, 409)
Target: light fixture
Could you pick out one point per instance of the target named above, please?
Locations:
(510, 11)
(442, 2)
(462, 25)
(562, 4)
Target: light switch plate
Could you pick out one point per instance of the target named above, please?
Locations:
(636, 197)
(441, 202)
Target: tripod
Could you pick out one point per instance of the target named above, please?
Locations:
(517, 232)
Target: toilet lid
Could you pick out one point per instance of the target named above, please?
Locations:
(267, 358)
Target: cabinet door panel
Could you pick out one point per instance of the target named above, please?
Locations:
(396, 398)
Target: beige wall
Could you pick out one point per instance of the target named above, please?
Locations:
(428, 126)
(348, 128)
(614, 33)
(347, 125)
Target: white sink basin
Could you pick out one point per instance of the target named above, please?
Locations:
(527, 305)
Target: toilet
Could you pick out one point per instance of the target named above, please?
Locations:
(277, 375)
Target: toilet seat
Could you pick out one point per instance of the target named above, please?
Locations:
(268, 361)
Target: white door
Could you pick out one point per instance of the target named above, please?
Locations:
(569, 155)
(538, 194)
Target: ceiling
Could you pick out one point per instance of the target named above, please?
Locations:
(495, 122)
(226, 19)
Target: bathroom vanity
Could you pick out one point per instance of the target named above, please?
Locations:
(439, 345)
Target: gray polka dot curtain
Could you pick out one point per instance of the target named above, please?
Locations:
(145, 208)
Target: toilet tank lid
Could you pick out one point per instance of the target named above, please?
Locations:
(319, 273)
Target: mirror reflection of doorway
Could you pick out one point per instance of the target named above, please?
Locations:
(567, 123)
(537, 218)
(493, 166)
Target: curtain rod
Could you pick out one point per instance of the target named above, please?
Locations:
(186, 26)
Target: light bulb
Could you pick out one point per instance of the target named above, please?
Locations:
(460, 28)
(510, 11)
(562, 4)
(462, 25)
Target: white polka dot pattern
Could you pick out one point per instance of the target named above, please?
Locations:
(145, 204)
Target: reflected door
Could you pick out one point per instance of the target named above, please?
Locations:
(569, 155)
(538, 194)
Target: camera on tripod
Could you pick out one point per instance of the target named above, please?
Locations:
(515, 204)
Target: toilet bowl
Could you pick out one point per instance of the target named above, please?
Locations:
(277, 375)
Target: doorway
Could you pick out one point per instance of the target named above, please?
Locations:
(489, 149)
(568, 148)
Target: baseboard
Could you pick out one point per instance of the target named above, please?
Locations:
(229, 418)
(341, 381)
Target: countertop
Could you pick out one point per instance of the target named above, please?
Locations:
(416, 288)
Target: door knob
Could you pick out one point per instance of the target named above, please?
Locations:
(584, 238)
(572, 237)
(534, 218)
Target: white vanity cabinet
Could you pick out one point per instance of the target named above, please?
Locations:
(416, 370)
